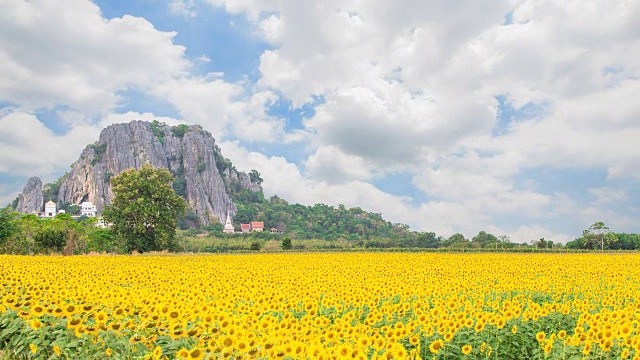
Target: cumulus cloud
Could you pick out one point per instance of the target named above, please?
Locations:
(67, 53)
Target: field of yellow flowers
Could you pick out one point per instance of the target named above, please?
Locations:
(321, 306)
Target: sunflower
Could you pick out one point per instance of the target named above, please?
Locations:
(436, 345)
(157, 352)
(196, 353)
(74, 323)
(227, 342)
(35, 324)
(466, 349)
(36, 311)
(182, 353)
(540, 336)
(101, 317)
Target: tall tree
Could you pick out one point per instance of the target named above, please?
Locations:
(145, 209)
(483, 239)
(598, 235)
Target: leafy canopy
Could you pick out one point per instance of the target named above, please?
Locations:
(145, 208)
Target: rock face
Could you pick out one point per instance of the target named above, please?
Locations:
(189, 153)
(31, 198)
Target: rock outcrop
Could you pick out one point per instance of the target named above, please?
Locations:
(31, 200)
(189, 153)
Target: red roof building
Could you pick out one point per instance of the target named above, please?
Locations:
(257, 226)
(245, 227)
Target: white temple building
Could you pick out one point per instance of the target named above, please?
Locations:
(88, 209)
(228, 226)
(49, 209)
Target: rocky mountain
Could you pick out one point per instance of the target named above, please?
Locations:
(31, 198)
(203, 176)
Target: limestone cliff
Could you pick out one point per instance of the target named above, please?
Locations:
(189, 152)
(30, 200)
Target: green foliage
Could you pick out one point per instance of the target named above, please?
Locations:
(214, 226)
(51, 190)
(8, 225)
(145, 209)
(14, 203)
(180, 187)
(320, 221)
(157, 131)
(286, 243)
(201, 166)
(188, 220)
(254, 175)
(50, 239)
(483, 239)
(180, 130)
(222, 163)
(256, 246)
(598, 236)
(98, 151)
(107, 177)
(69, 208)
(543, 244)
(102, 240)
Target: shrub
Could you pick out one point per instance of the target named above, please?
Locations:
(180, 130)
(256, 246)
(286, 243)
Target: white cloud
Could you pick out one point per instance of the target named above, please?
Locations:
(184, 8)
(67, 53)
(29, 148)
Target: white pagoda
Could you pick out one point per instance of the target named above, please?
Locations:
(228, 226)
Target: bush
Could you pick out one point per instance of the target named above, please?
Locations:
(286, 244)
(256, 246)
(50, 239)
(180, 130)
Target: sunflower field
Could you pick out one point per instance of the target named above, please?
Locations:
(321, 306)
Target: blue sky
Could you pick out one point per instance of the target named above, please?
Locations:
(516, 118)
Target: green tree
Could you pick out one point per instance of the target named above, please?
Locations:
(254, 175)
(50, 239)
(483, 239)
(145, 209)
(8, 225)
(597, 236)
(286, 243)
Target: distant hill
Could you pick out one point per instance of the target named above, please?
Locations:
(202, 174)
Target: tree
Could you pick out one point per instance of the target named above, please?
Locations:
(542, 243)
(8, 224)
(254, 175)
(286, 243)
(483, 239)
(598, 235)
(145, 209)
(50, 239)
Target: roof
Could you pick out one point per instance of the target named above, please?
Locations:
(245, 226)
(50, 203)
(257, 224)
